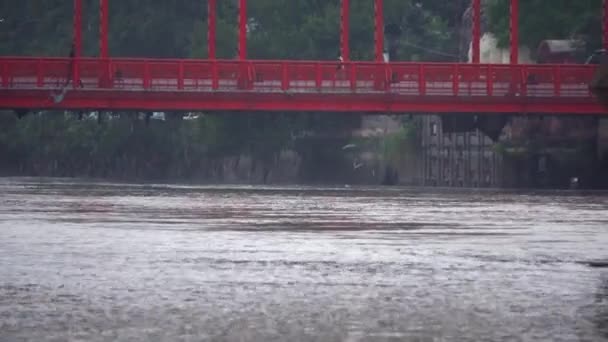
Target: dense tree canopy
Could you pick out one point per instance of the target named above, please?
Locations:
(553, 19)
(305, 29)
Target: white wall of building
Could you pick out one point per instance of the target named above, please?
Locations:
(490, 53)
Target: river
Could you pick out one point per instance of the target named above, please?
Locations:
(92, 261)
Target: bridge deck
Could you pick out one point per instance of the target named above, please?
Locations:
(138, 84)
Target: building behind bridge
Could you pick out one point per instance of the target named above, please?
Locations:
(528, 151)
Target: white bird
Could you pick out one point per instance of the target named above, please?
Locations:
(58, 97)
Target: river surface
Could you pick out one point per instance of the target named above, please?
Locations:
(84, 261)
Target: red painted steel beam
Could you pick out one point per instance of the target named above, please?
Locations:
(345, 30)
(373, 103)
(77, 43)
(514, 31)
(476, 34)
(103, 28)
(211, 28)
(242, 49)
(605, 24)
(271, 85)
(76, 50)
(250, 102)
(379, 29)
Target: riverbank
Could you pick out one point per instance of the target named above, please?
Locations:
(206, 149)
(275, 149)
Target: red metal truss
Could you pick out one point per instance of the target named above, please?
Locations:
(77, 34)
(476, 36)
(514, 31)
(76, 51)
(211, 28)
(379, 30)
(345, 30)
(104, 13)
(242, 20)
(159, 84)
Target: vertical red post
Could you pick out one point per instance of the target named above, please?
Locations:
(104, 76)
(421, 80)
(284, 77)
(557, 81)
(353, 77)
(476, 36)
(212, 23)
(455, 79)
(77, 43)
(180, 76)
(242, 47)
(489, 84)
(318, 76)
(147, 78)
(344, 30)
(379, 29)
(39, 72)
(215, 79)
(605, 24)
(76, 51)
(242, 29)
(5, 69)
(103, 28)
(514, 30)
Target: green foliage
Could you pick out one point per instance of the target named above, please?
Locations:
(303, 29)
(541, 19)
(399, 146)
(124, 146)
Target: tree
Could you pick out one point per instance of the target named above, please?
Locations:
(541, 19)
(289, 29)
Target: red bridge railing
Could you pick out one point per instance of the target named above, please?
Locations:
(420, 79)
(369, 81)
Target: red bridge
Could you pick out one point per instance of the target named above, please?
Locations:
(105, 83)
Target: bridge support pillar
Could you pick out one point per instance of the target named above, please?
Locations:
(514, 31)
(476, 34)
(344, 30)
(211, 27)
(242, 29)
